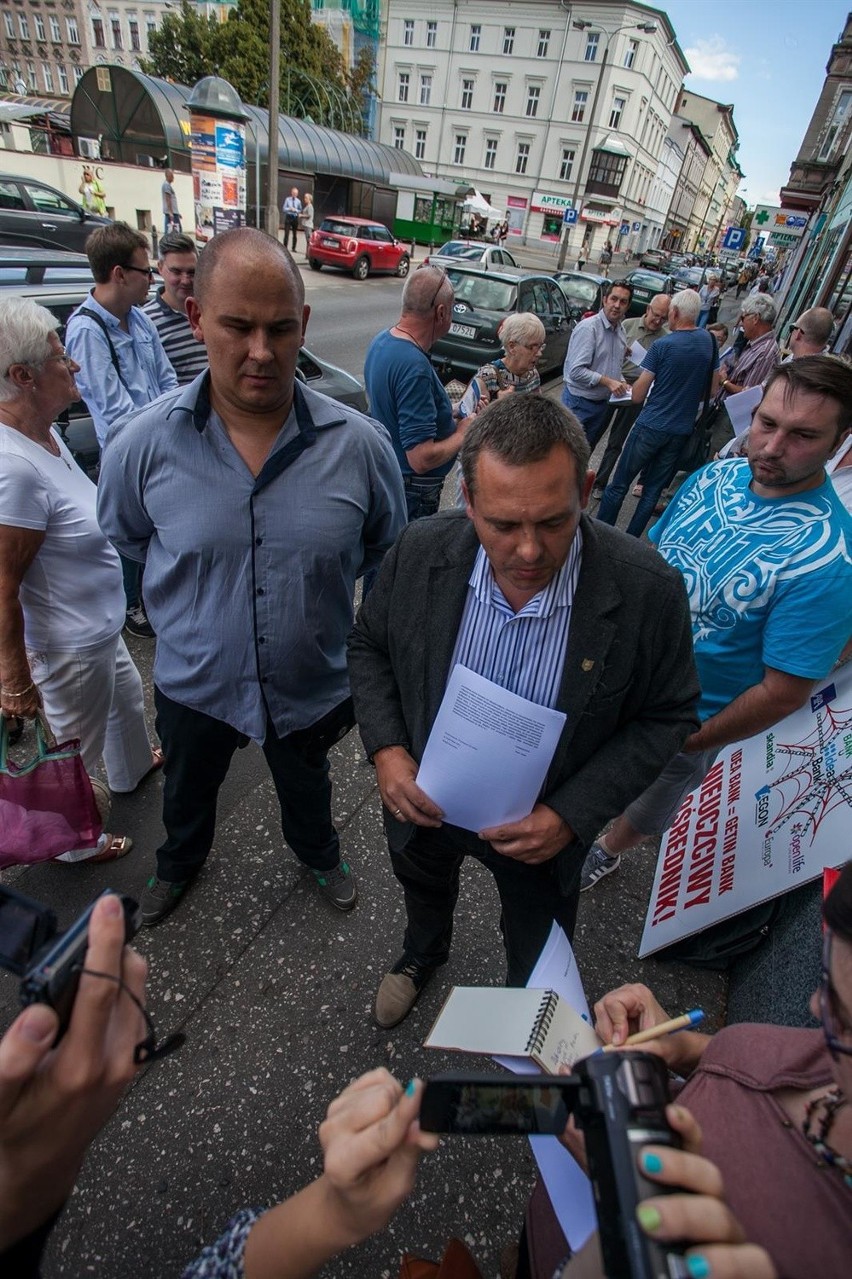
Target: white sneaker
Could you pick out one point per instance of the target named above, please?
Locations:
(598, 863)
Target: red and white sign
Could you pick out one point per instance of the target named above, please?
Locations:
(603, 217)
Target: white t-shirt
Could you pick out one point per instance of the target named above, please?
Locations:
(842, 478)
(72, 594)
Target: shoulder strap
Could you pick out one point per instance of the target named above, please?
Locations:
(102, 325)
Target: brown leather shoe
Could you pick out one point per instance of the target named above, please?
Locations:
(399, 991)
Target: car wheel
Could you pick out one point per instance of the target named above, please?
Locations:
(361, 269)
(315, 266)
(403, 266)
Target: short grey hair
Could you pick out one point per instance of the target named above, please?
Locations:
(424, 290)
(25, 329)
(817, 325)
(762, 306)
(521, 429)
(521, 327)
(688, 304)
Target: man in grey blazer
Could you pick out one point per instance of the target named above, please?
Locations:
(530, 593)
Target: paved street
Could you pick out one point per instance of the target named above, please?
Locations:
(274, 991)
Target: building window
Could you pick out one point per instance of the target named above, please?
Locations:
(31, 77)
(55, 30)
(543, 44)
(79, 72)
(466, 95)
(73, 33)
(150, 24)
(490, 161)
(431, 34)
(581, 99)
(425, 90)
(500, 88)
(399, 137)
(47, 73)
(420, 144)
(115, 29)
(630, 55)
(475, 37)
(592, 42)
(133, 28)
(41, 34)
(10, 25)
(23, 26)
(402, 88)
(533, 99)
(566, 166)
(459, 148)
(98, 36)
(522, 158)
(63, 78)
(508, 39)
(408, 32)
(606, 173)
(838, 119)
(618, 105)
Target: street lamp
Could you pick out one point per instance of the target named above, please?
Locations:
(582, 24)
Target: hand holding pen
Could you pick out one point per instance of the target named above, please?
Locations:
(632, 1010)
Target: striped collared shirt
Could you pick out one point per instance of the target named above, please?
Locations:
(523, 652)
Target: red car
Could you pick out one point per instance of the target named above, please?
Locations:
(357, 245)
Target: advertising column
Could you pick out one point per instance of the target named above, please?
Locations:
(218, 141)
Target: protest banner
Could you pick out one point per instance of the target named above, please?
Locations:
(772, 812)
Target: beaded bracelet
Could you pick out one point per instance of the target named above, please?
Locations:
(8, 692)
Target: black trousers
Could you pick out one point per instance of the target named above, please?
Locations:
(621, 425)
(428, 869)
(198, 751)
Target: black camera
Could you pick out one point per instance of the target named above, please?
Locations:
(619, 1100)
(48, 962)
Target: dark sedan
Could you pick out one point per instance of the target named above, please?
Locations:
(583, 290)
(646, 286)
(38, 215)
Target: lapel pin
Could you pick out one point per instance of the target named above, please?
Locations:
(587, 664)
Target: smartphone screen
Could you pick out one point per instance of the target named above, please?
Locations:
(488, 1106)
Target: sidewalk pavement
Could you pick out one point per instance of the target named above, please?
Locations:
(274, 990)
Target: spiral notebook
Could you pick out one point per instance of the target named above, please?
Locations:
(536, 1024)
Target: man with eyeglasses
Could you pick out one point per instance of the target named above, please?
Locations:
(167, 308)
(123, 366)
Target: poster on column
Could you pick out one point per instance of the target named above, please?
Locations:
(218, 174)
(772, 812)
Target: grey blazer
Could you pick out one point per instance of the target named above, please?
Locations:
(629, 685)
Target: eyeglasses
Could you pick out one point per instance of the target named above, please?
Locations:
(796, 328)
(143, 270)
(833, 1026)
(534, 346)
(443, 276)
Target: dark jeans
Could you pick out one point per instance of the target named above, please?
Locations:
(622, 421)
(198, 751)
(592, 415)
(131, 574)
(428, 869)
(291, 227)
(422, 498)
(656, 455)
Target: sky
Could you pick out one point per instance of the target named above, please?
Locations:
(768, 58)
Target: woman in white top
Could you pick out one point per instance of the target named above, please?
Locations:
(306, 219)
(61, 596)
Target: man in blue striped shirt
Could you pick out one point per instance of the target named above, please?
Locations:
(527, 592)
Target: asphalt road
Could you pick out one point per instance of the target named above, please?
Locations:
(274, 990)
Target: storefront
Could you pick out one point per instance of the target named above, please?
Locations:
(547, 215)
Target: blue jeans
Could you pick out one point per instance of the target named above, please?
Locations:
(656, 455)
(703, 317)
(592, 415)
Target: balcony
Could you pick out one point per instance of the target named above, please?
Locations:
(808, 183)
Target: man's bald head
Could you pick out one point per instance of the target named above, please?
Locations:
(246, 244)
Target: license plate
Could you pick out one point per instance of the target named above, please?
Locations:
(463, 330)
(330, 244)
(644, 295)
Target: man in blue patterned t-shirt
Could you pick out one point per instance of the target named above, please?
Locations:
(765, 548)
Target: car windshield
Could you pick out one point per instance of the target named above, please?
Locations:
(458, 249)
(483, 293)
(579, 290)
(338, 228)
(648, 279)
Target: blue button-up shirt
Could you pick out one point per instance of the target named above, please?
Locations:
(596, 350)
(249, 580)
(523, 652)
(146, 372)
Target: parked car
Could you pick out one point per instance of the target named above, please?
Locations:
(482, 302)
(486, 255)
(692, 277)
(36, 214)
(583, 291)
(654, 259)
(20, 265)
(357, 245)
(646, 286)
(76, 425)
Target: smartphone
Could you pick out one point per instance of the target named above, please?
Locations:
(489, 1105)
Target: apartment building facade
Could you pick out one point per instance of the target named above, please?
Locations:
(722, 174)
(540, 107)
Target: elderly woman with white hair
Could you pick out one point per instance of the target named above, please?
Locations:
(522, 335)
(61, 597)
(710, 293)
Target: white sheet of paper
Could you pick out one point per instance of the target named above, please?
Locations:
(637, 353)
(567, 1185)
(488, 752)
(621, 399)
(741, 406)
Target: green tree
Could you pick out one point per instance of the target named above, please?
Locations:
(183, 48)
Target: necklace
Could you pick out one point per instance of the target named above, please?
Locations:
(400, 329)
(49, 444)
(831, 1102)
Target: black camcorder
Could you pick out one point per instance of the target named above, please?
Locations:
(48, 962)
(618, 1100)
